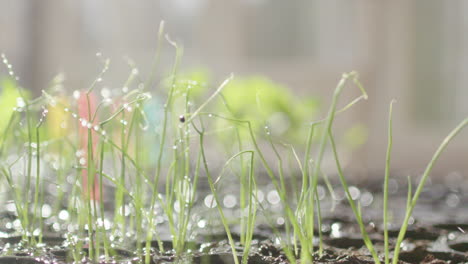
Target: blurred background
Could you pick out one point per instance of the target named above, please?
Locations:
(413, 51)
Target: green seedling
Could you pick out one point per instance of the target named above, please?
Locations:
(110, 149)
(414, 198)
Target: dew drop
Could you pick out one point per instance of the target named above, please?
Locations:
(55, 165)
(76, 94)
(321, 192)
(177, 207)
(46, 211)
(79, 153)
(36, 232)
(20, 102)
(260, 196)
(229, 201)
(11, 207)
(366, 199)
(17, 224)
(105, 92)
(354, 192)
(273, 197)
(280, 221)
(56, 227)
(210, 201)
(125, 209)
(201, 223)
(147, 96)
(451, 236)
(452, 200)
(336, 230)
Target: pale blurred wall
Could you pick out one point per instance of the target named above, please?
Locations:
(413, 51)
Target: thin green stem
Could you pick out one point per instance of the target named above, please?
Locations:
(218, 202)
(28, 174)
(252, 212)
(313, 178)
(427, 171)
(90, 185)
(157, 55)
(387, 175)
(356, 212)
(38, 177)
(167, 106)
(289, 212)
(101, 201)
(5, 132)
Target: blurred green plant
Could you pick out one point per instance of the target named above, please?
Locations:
(270, 105)
(11, 101)
(355, 136)
(255, 98)
(193, 81)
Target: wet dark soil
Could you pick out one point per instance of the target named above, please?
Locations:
(436, 235)
(423, 244)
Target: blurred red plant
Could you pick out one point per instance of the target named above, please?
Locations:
(87, 105)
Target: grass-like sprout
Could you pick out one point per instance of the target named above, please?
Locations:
(248, 211)
(138, 202)
(167, 106)
(414, 198)
(387, 176)
(329, 134)
(28, 230)
(211, 183)
(6, 132)
(411, 201)
(356, 209)
(38, 190)
(307, 200)
(281, 192)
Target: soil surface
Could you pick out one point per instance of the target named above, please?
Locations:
(436, 233)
